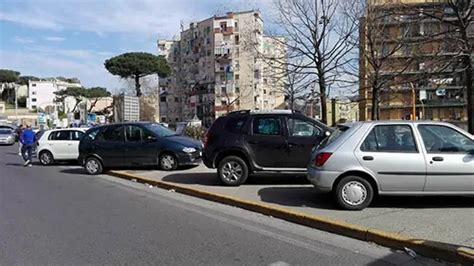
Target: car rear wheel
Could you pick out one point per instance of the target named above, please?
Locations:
(168, 162)
(354, 193)
(46, 158)
(232, 171)
(93, 166)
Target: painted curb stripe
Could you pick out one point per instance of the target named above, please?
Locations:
(433, 249)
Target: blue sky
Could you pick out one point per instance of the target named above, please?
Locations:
(72, 38)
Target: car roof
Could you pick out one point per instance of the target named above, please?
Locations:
(265, 111)
(398, 122)
(70, 128)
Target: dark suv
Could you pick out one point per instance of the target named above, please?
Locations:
(136, 144)
(274, 141)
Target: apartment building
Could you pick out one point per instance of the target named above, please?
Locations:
(416, 60)
(41, 92)
(217, 68)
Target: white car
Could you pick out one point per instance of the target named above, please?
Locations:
(59, 144)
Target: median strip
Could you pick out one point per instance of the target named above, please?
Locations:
(434, 249)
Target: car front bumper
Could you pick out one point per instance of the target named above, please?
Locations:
(190, 158)
(322, 180)
(7, 141)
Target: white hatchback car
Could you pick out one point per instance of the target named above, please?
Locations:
(59, 144)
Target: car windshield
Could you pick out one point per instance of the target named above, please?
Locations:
(334, 135)
(160, 130)
(5, 131)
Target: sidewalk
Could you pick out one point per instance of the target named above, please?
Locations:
(443, 219)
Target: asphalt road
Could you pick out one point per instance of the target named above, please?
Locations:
(59, 215)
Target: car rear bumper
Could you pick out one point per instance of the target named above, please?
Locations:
(7, 142)
(322, 180)
(208, 162)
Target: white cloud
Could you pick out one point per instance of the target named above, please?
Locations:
(23, 40)
(46, 64)
(31, 18)
(150, 17)
(54, 38)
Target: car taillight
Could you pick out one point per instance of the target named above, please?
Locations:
(321, 158)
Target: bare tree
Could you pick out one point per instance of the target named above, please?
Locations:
(316, 40)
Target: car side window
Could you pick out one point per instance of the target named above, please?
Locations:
(390, 138)
(76, 135)
(60, 135)
(93, 133)
(235, 124)
(113, 133)
(267, 126)
(443, 139)
(133, 133)
(302, 128)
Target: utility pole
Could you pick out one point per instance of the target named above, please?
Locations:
(16, 102)
(413, 101)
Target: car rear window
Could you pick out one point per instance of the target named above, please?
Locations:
(235, 124)
(334, 135)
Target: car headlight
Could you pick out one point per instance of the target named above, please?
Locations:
(189, 150)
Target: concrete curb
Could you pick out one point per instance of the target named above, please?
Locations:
(433, 249)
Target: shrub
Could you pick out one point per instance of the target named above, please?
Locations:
(196, 132)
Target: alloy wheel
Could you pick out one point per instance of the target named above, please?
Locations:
(232, 171)
(92, 166)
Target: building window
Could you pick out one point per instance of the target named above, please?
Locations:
(33, 84)
(176, 99)
(163, 99)
(237, 39)
(223, 26)
(223, 90)
(237, 89)
(223, 102)
(33, 100)
(265, 81)
(236, 26)
(264, 91)
(237, 76)
(33, 93)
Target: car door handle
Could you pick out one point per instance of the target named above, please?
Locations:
(368, 158)
(438, 159)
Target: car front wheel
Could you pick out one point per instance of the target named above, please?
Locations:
(232, 171)
(168, 162)
(354, 193)
(46, 158)
(93, 166)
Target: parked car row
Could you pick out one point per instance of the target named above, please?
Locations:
(355, 162)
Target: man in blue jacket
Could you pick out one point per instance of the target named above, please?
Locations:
(27, 139)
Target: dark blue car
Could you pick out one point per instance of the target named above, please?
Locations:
(136, 144)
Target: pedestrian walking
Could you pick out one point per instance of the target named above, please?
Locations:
(27, 139)
(18, 132)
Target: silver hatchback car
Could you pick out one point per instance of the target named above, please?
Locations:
(364, 159)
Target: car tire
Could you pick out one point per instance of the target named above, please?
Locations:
(354, 193)
(46, 158)
(93, 166)
(168, 162)
(232, 171)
